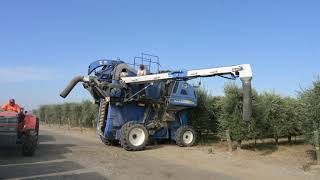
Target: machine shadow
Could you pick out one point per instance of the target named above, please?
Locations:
(37, 169)
(46, 151)
(81, 176)
(49, 159)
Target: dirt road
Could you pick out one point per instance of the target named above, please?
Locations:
(71, 155)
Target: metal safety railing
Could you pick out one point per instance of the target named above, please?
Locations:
(152, 62)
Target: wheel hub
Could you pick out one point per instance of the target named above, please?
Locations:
(137, 136)
(188, 137)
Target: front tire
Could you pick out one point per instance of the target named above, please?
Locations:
(134, 136)
(29, 143)
(185, 136)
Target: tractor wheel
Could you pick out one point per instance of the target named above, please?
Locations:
(37, 127)
(134, 136)
(185, 136)
(29, 143)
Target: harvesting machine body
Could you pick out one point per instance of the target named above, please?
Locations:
(134, 108)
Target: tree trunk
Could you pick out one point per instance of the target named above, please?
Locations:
(239, 144)
(229, 141)
(276, 140)
(289, 139)
(317, 145)
(49, 122)
(255, 142)
(80, 124)
(93, 124)
(69, 124)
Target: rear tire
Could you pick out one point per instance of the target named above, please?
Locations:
(134, 136)
(185, 136)
(29, 143)
(37, 126)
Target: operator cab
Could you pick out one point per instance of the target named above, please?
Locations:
(182, 95)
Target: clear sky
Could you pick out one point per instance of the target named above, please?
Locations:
(43, 44)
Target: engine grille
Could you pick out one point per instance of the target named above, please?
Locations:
(8, 124)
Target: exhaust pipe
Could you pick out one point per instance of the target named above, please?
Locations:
(71, 85)
(247, 98)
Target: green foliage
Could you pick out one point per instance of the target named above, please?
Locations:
(292, 125)
(231, 113)
(204, 118)
(310, 109)
(273, 114)
(77, 114)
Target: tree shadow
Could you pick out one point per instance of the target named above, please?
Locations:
(208, 139)
(265, 148)
(269, 147)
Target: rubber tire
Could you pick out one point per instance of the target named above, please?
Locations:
(179, 136)
(124, 136)
(37, 126)
(29, 143)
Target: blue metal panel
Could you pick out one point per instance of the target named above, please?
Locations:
(178, 74)
(181, 119)
(161, 134)
(184, 117)
(119, 115)
(153, 91)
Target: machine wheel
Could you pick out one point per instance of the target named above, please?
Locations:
(37, 127)
(185, 136)
(29, 143)
(134, 136)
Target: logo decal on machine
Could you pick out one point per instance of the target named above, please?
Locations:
(184, 101)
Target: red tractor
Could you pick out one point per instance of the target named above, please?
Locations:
(19, 128)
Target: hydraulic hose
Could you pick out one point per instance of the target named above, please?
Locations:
(247, 98)
(71, 85)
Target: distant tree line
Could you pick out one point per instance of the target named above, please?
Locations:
(82, 114)
(274, 116)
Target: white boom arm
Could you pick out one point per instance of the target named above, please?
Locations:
(243, 71)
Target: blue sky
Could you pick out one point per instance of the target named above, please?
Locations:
(43, 44)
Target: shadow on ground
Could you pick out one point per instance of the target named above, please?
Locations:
(46, 138)
(267, 148)
(27, 170)
(48, 159)
(81, 176)
(44, 152)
